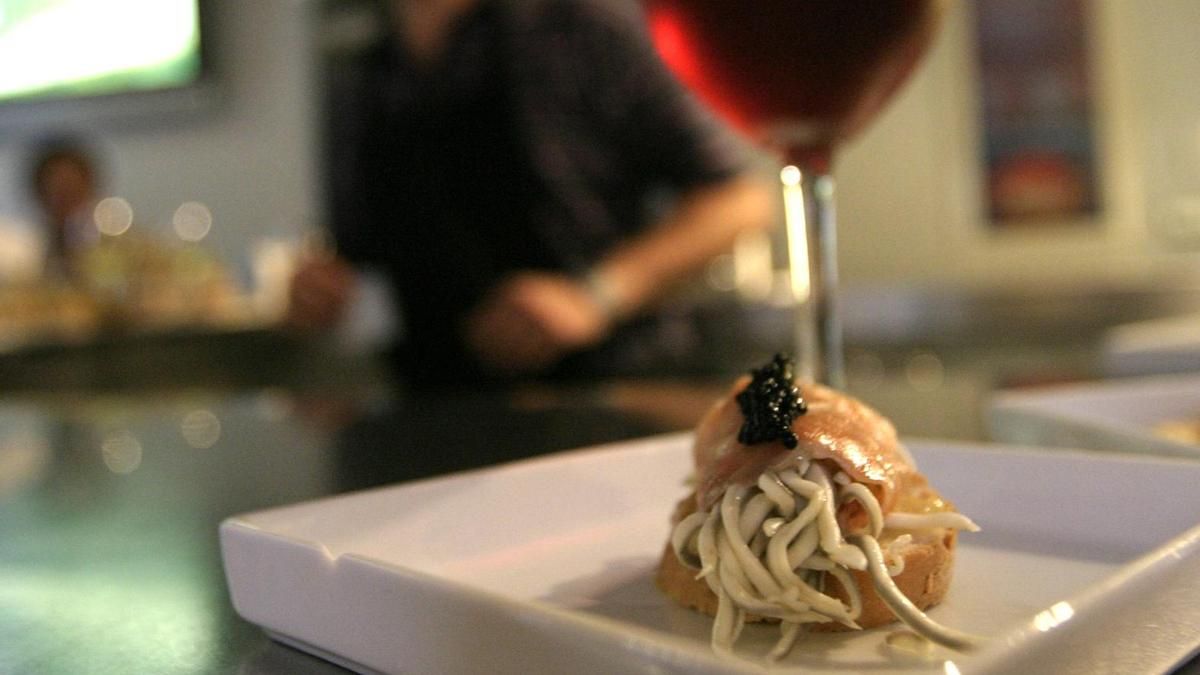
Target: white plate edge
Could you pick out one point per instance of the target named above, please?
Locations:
(1089, 604)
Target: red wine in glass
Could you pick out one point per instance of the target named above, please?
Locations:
(800, 77)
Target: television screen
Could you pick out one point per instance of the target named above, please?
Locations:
(55, 49)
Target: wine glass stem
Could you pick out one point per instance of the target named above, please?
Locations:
(812, 247)
(822, 244)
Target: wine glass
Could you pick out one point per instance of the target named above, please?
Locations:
(799, 77)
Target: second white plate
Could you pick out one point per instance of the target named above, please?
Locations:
(1112, 415)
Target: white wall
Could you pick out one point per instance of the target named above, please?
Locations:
(249, 153)
(910, 201)
(910, 190)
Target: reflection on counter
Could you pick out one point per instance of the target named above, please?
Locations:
(109, 505)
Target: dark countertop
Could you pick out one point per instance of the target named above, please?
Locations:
(109, 506)
(110, 497)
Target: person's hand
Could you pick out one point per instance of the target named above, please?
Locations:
(321, 289)
(533, 319)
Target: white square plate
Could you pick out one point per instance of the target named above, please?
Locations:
(1113, 415)
(546, 565)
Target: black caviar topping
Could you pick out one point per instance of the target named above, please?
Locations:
(769, 404)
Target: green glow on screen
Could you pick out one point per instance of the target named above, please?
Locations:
(58, 48)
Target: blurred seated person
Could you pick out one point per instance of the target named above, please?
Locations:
(531, 179)
(64, 184)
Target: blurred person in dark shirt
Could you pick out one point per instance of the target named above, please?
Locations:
(531, 179)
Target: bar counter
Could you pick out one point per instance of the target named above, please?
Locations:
(110, 497)
(110, 503)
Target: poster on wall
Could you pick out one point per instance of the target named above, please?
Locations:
(1037, 92)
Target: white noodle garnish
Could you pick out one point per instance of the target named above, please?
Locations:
(851, 588)
(803, 547)
(860, 493)
(757, 509)
(706, 543)
(723, 630)
(750, 564)
(782, 570)
(929, 521)
(831, 534)
(904, 609)
(776, 492)
(683, 537)
(789, 630)
(767, 550)
(770, 526)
